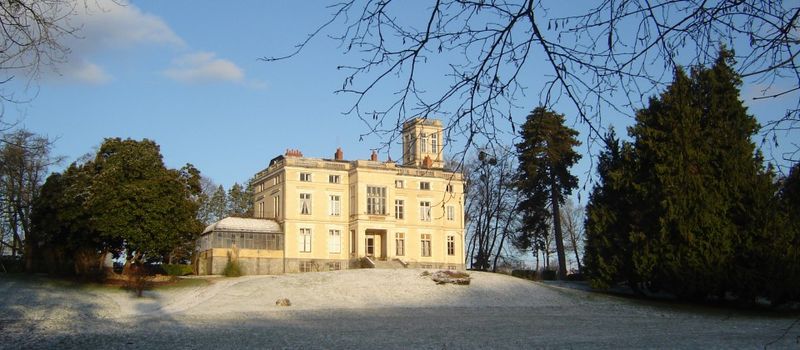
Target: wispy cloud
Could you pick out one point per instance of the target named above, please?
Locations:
(204, 67)
(103, 26)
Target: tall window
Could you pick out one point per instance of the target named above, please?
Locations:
(305, 240)
(451, 245)
(424, 185)
(276, 206)
(261, 209)
(399, 205)
(449, 188)
(336, 205)
(423, 144)
(425, 211)
(376, 200)
(434, 143)
(334, 241)
(352, 241)
(305, 177)
(451, 213)
(426, 244)
(400, 243)
(305, 203)
(334, 179)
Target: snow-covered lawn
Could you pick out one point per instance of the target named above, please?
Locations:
(371, 309)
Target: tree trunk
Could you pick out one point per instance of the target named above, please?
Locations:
(562, 258)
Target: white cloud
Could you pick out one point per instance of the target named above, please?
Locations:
(107, 23)
(203, 67)
(106, 26)
(86, 72)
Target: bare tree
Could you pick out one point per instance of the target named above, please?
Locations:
(24, 162)
(491, 203)
(572, 221)
(31, 37)
(604, 58)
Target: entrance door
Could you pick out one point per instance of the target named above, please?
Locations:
(370, 246)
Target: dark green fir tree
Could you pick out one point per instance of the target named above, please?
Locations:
(545, 156)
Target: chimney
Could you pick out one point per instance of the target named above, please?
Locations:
(427, 162)
(339, 155)
(293, 153)
(374, 156)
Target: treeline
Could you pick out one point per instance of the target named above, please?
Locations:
(688, 207)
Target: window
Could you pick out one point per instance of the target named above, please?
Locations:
(400, 243)
(398, 209)
(305, 203)
(305, 177)
(424, 185)
(305, 240)
(334, 266)
(276, 206)
(352, 241)
(423, 142)
(273, 242)
(261, 209)
(425, 211)
(334, 179)
(426, 244)
(399, 184)
(451, 213)
(336, 205)
(434, 143)
(307, 266)
(451, 245)
(275, 180)
(376, 200)
(449, 188)
(334, 241)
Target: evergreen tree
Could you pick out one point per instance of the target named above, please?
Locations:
(218, 205)
(545, 156)
(240, 200)
(124, 199)
(696, 220)
(610, 217)
(780, 250)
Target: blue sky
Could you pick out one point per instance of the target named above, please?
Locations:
(186, 74)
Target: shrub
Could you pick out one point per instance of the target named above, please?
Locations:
(575, 277)
(526, 274)
(138, 279)
(177, 269)
(232, 269)
(549, 275)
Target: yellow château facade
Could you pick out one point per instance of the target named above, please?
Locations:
(338, 214)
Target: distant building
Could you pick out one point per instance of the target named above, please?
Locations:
(330, 214)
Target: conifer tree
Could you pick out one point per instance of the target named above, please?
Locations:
(545, 156)
(610, 217)
(699, 207)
